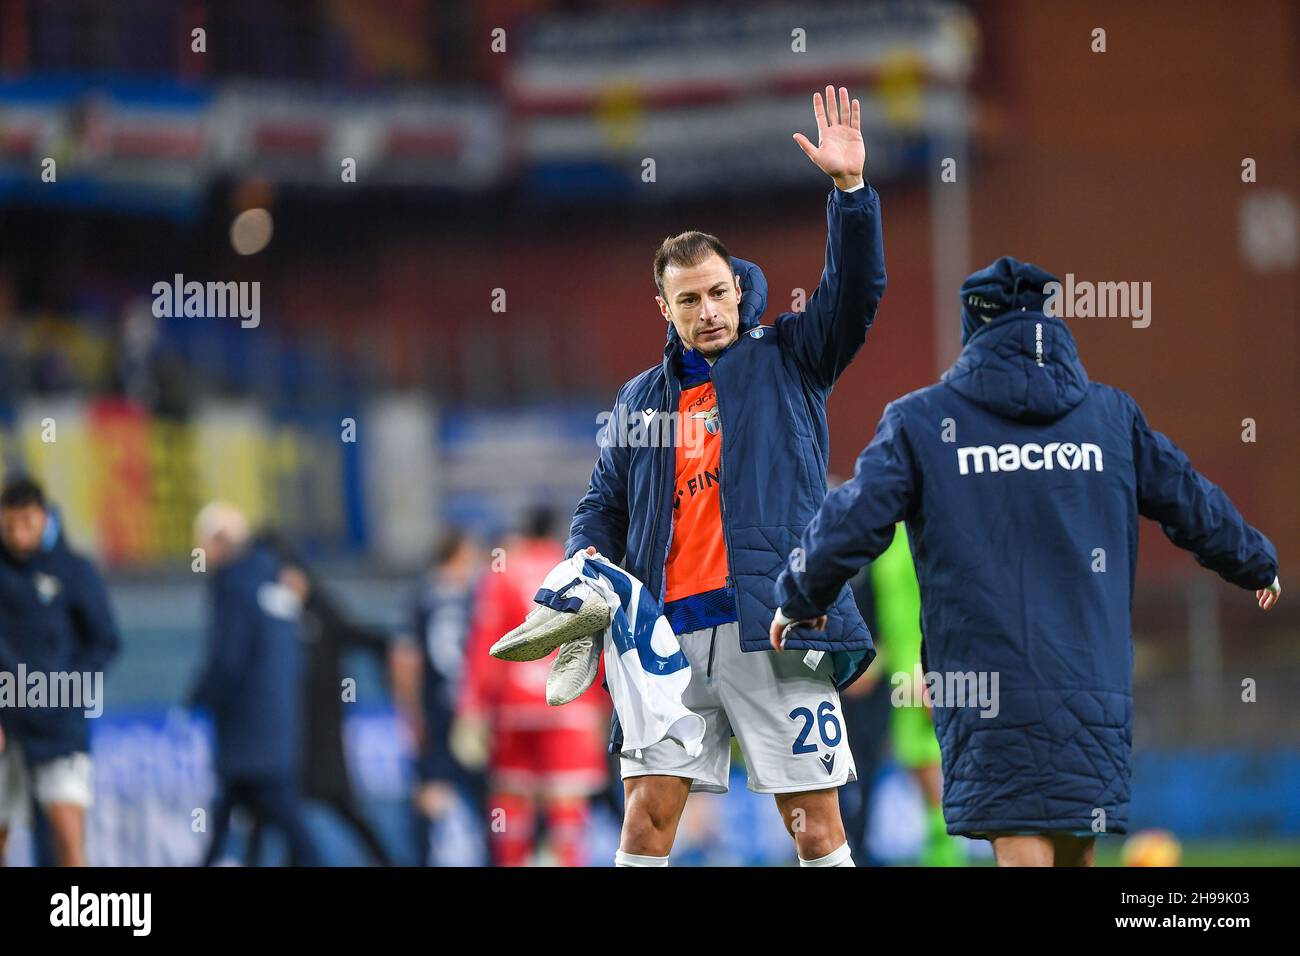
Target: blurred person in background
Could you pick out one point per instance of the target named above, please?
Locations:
(431, 665)
(42, 837)
(911, 727)
(251, 681)
(540, 759)
(1048, 475)
(146, 369)
(55, 620)
(327, 634)
(866, 720)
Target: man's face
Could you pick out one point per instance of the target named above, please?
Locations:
(703, 303)
(21, 529)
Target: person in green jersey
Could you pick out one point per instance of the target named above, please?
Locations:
(911, 730)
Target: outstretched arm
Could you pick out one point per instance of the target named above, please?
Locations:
(1196, 515)
(834, 323)
(854, 525)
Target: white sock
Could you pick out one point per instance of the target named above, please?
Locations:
(841, 857)
(631, 859)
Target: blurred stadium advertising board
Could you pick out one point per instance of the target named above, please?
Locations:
(497, 464)
(153, 771)
(126, 146)
(155, 147)
(451, 141)
(713, 94)
(128, 483)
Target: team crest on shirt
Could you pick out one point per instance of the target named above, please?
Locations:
(756, 333)
(712, 424)
(47, 587)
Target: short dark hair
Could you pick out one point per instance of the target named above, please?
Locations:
(448, 545)
(687, 249)
(540, 521)
(21, 492)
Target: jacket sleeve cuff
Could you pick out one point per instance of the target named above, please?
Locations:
(799, 609)
(793, 604)
(863, 196)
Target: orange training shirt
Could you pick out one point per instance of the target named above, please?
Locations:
(697, 557)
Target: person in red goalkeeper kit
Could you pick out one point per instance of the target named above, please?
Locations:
(540, 759)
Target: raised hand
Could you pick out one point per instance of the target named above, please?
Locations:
(840, 152)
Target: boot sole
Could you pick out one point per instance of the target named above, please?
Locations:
(533, 641)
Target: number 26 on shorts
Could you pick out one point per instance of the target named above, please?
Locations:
(828, 728)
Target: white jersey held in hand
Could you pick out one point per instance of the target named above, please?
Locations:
(645, 668)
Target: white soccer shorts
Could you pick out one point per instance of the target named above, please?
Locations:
(785, 715)
(62, 780)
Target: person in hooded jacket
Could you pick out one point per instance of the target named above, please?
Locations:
(1021, 483)
(56, 621)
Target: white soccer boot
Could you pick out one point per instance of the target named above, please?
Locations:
(574, 670)
(545, 629)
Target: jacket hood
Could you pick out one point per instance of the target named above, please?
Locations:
(1008, 285)
(753, 300)
(52, 538)
(1023, 366)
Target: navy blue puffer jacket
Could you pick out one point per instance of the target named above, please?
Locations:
(771, 387)
(1021, 483)
(55, 620)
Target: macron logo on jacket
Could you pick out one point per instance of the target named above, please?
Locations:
(1030, 456)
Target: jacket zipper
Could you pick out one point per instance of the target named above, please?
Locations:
(722, 497)
(713, 640)
(665, 479)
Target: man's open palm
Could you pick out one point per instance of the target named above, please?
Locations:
(840, 152)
